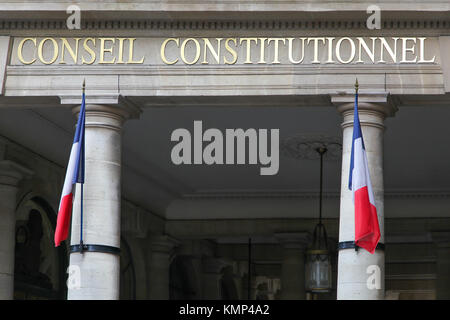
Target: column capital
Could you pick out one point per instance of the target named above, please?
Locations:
(11, 172)
(163, 243)
(379, 102)
(116, 102)
(111, 116)
(293, 240)
(122, 107)
(110, 113)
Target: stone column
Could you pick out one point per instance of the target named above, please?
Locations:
(241, 279)
(293, 265)
(212, 275)
(197, 264)
(238, 283)
(10, 176)
(442, 240)
(353, 271)
(99, 271)
(161, 249)
(192, 251)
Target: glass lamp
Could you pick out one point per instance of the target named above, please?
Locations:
(318, 262)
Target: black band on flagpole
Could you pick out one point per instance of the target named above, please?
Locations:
(94, 248)
(351, 245)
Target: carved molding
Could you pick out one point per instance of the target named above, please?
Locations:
(218, 25)
(255, 69)
(304, 146)
(292, 194)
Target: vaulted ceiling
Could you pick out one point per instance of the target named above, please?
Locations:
(417, 157)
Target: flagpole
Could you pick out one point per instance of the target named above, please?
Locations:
(82, 183)
(356, 101)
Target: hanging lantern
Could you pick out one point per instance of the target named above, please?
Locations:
(318, 262)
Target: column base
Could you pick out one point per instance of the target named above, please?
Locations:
(94, 248)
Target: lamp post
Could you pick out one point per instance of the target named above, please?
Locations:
(318, 262)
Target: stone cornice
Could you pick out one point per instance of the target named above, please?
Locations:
(55, 70)
(254, 80)
(167, 8)
(263, 24)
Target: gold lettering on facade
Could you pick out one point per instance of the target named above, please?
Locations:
(120, 57)
(197, 51)
(20, 49)
(391, 51)
(406, 49)
(276, 48)
(248, 42)
(73, 52)
(163, 50)
(316, 48)
(130, 52)
(362, 44)
(104, 50)
(422, 53)
(262, 53)
(330, 49)
(41, 50)
(214, 52)
(291, 49)
(89, 51)
(230, 50)
(352, 50)
(226, 51)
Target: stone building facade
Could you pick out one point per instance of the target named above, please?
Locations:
(152, 67)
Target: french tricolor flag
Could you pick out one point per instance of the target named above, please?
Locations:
(74, 174)
(367, 230)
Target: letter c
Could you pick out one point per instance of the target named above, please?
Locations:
(19, 50)
(163, 47)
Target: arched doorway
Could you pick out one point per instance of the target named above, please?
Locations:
(40, 268)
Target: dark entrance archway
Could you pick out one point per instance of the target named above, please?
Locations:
(40, 268)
